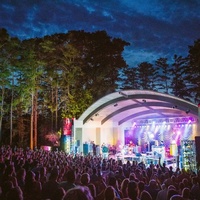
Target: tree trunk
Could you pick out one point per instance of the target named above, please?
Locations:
(31, 128)
(35, 119)
(52, 100)
(1, 112)
(56, 119)
(11, 112)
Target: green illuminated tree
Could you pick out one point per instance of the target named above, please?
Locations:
(54, 77)
(29, 84)
(8, 56)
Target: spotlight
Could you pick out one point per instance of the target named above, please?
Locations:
(144, 100)
(123, 94)
(174, 106)
(187, 111)
(91, 119)
(97, 114)
(151, 135)
(115, 104)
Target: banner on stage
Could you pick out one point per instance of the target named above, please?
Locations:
(67, 126)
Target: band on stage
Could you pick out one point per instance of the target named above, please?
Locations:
(147, 149)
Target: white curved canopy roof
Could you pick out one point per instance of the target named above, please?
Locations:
(130, 105)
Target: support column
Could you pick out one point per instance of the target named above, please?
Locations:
(78, 139)
(98, 136)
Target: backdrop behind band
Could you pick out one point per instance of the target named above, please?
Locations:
(168, 134)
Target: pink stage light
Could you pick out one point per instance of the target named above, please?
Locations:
(173, 141)
(178, 132)
(134, 124)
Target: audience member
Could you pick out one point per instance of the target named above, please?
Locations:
(32, 187)
(51, 186)
(15, 194)
(124, 186)
(78, 192)
(145, 195)
(69, 180)
(133, 190)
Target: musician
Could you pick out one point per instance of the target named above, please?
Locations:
(102, 146)
(162, 143)
(131, 144)
(94, 148)
(104, 150)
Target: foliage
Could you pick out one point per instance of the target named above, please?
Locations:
(178, 75)
(147, 75)
(193, 70)
(163, 79)
(52, 138)
(61, 75)
(55, 77)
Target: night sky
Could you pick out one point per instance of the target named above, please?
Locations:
(154, 28)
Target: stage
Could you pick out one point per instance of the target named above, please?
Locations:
(145, 158)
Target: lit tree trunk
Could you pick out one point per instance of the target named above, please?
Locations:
(56, 110)
(11, 112)
(52, 111)
(31, 128)
(35, 119)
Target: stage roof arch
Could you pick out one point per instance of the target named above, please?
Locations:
(137, 105)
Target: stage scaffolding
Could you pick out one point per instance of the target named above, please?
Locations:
(188, 155)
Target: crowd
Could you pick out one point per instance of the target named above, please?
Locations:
(55, 175)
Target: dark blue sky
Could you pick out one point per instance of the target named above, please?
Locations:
(155, 28)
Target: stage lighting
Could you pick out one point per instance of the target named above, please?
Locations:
(151, 135)
(123, 94)
(187, 111)
(173, 142)
(144, 100)
(115, 104)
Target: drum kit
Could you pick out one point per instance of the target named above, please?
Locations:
(128, 150)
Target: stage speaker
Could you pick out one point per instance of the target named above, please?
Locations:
(138, 154)
(151, 144)
(97, 150)
(197, 146)
(63, 142)
(85, 149)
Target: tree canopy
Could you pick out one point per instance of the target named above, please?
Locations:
(56, 76)
(43, 80)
